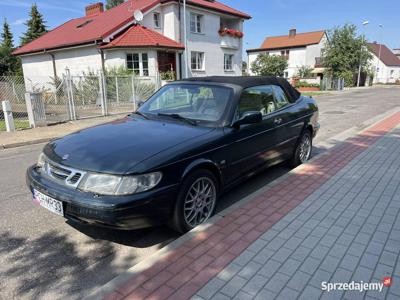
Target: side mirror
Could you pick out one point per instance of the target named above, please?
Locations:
(250, 117)
(140, 103)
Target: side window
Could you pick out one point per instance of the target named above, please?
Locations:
(281, 99)
(260, 98)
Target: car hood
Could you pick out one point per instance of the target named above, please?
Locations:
(118, 146)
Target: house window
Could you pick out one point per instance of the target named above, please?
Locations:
(138, 63)
(285, 53)
(157, 22)
(197, 60)
(196, 23)
(145, 64)
(228, 62)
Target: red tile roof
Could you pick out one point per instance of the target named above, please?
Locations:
(387, 56)
(90, 29)
(286, 41)
(140, 36)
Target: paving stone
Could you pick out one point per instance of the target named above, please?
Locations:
(230, 271)
(255, 285)
(301, 253)
(299, 281)
(220, 296)
(318, 277)
(369, 260)
(362, 274)
(249, 270)
(330, 263)
(374, 248)
(277, 282)
(290, 266)
(265, 294)
(269, 269)
(338, 251)
(388, 258)
(263, 256)
(243, 296)
(310, 265)
(282, 254)
(319, 252)
(211, 288)
(288, 293)
(310, 293)
(233, 286)
(349, 262)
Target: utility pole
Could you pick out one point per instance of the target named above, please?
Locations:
(365, 23)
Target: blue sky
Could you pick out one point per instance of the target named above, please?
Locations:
(270, 17)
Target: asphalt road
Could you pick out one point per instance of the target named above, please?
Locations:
(43, 257)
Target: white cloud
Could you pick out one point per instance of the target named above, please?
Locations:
(18, 22)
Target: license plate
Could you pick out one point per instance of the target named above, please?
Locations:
(51, 204)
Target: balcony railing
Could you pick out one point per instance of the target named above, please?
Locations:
(319, 62)
(231, 42)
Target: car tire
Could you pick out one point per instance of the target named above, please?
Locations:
(190, 205)
(303, 149)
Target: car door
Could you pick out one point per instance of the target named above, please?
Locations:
(288, 122)
(251, 146)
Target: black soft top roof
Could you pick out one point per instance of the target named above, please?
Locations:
(249, 81)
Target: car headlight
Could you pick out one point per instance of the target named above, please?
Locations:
(104, 184)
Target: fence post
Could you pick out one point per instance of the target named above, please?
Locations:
(133, 93)
(70, 93)
(103, 93)
(8, 116)
(117, 89)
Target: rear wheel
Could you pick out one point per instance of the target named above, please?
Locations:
(303, 149)
(196, 200)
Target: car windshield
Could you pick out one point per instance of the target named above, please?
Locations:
(202, 103)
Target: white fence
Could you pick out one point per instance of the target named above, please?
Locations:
(76, 97)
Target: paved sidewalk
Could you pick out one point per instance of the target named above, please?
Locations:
(335, 219)
(44, 134)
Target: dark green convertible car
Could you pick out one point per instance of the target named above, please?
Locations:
(169, 161)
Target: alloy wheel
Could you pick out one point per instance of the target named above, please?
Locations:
(305, 148)
(200, 201)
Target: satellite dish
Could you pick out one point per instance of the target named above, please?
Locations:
(138, 15)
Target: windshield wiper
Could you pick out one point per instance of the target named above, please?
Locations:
(141, 114)
(179, 117)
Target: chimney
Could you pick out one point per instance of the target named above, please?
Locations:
(94, 9)
(292, 32)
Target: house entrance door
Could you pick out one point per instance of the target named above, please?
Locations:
(166, 61)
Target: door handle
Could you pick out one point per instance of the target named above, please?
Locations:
(278, 121)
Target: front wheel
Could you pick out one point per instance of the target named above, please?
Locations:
(303, 149)
(196, 200)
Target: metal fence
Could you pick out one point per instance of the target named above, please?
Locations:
(12, 89)
(73, 97)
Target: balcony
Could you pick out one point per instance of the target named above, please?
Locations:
(319, 63)
(230, 42)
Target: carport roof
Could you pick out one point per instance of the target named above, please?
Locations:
(140, 36)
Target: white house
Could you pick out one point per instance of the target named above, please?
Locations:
(301, 49)
(105, 39)
(385, 63)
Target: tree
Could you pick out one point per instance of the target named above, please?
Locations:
(36, 26)
(344, 53)
(9, 64)
(304, 71)
(112, 3)
(274, 65)
(244, 68)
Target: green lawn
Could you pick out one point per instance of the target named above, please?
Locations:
(19, 124)
(315, 93)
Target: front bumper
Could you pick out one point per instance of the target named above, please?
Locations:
(122, 212)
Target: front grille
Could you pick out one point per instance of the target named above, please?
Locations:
(62, 174)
